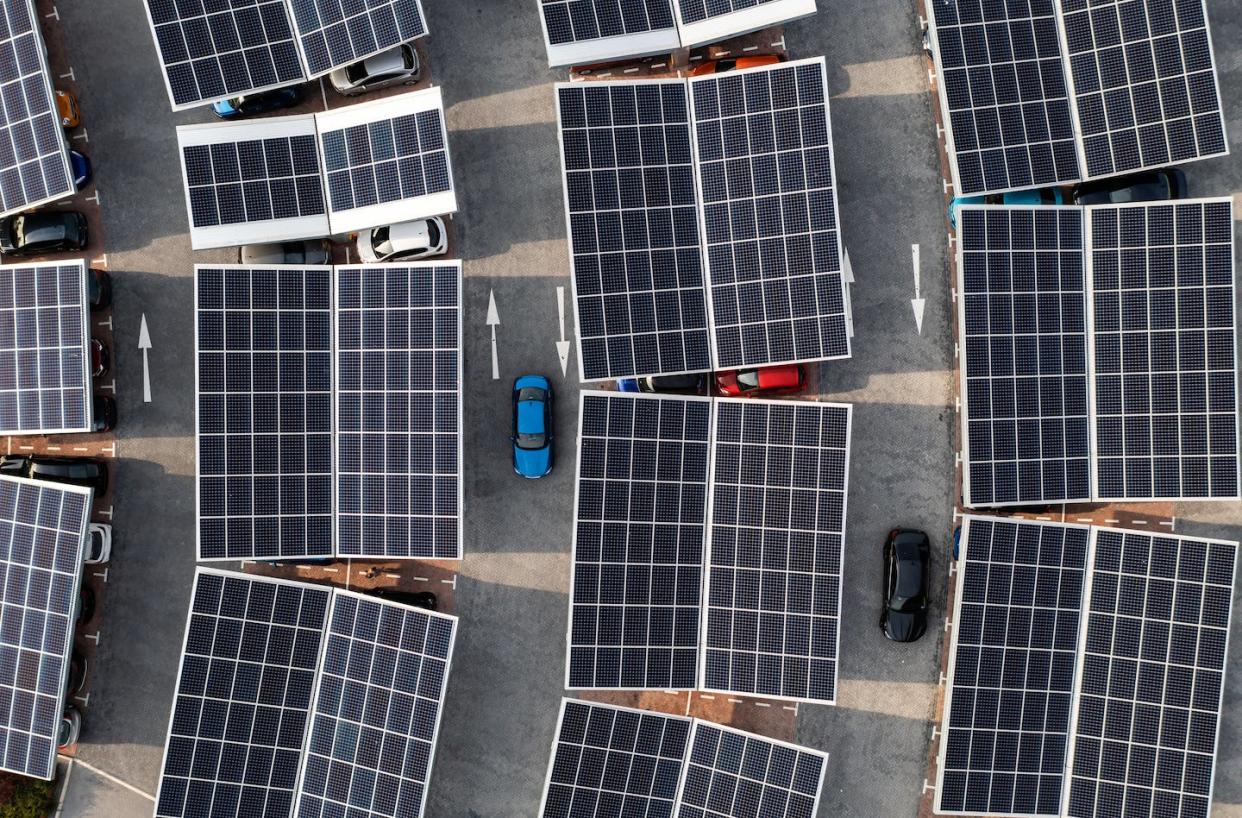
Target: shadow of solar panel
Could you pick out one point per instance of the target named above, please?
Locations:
(633, 228)
(44, 372)
(774, 555)
(1023, 319)
(264, 352)
(398, 414)
(1147, 719)
(253, 180)
(43, 529)
(1162, 292)
(243, 695)
(1011, 668)
(638, 542)
(573, 21)
(333, 33)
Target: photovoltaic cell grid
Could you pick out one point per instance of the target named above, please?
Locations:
(333, 33)
(633, 228)
(223, 48)
(399, 411)
(1144, 83)
(42, 531)
(253, 180)
(638, 547)
(769, 213)
(615, 761)
(264, 412)
(243, 696)
(1003, 85)
(731, 774)
(1148, 710)
(376, 710)
(1011, 673)
(774, 558)
(573, 21)
(44, 381)
(1164, 351)
(34, 160)
(694, 11)
(1025, 337)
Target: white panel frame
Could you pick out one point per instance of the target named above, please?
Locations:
(604, 49)
(742, 21)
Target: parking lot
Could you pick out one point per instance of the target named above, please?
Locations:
(510, 590)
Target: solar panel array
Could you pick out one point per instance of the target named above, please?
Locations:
(332, 33)
(243, 696)
(1024, 331)
(43, 530)
(45, 382)
(398, 415)
(1144, 83)
(34, 157)
(216, 50)
(1147, 715)
(575, 21)
(1011, 668)
(376, 712)
(638, 542)
(1164, 355)
(633, 228)
(264, 347)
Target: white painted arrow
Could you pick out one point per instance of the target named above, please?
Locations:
(493, 321)
(918, 302)
(144, 343)
(562, 346)
(847, 267)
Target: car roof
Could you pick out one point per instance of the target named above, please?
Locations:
(412, 235)
(384, 62)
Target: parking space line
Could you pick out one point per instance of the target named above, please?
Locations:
(64, 787)
(84, 136)
(115, 780)
(55, 14)
(69, 75)
(94, 637)
(106, 512)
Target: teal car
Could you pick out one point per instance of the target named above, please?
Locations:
(532, 426)
(1035, 196)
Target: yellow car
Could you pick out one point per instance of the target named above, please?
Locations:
(67, 107)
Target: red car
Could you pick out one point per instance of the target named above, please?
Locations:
(729, 63)
(771, 380)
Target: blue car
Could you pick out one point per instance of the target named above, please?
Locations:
(532, 426)
(1038, 196)
(81, 169)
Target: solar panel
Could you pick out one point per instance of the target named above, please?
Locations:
(243, 696)
(376, 711)
(1003, 91)
(578, 31)
(332, 33)
(709, 21)
(633, 228)
(1144, 83)
(218, 50)
(609, 760)
(765, 171)
(45, 385)
(1164, 360)
(1147, 714)
(398, 412)
(43, 529)
(264, 354)
(34, 157)
(778, 492)
(638, 542)
(386, 161)
(1024, 331)
(253, 181)
(1011, 667)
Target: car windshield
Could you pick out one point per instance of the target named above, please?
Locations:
(357, 72)
(433, 233)
(527, 441)
(1145, 192)
(380, 242)
(748, 380)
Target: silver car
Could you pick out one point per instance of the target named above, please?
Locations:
(396, 66)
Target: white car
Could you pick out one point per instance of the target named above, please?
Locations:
(404, 241)
(396, 66)
(98, 544)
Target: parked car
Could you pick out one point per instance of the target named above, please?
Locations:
(310, 251)
(907, 575)
(103, 414)
(70, 728)
(98, 544)
(263, 102)
(101, 359)
(693, 384)
(43, 231)
(730, 63)
(628, 385)
(98, 289)
(81, 169)
(532, 426)
(770, 380)
(396, 66)
(1148, 186)
(67, 107)
(1035, 196)
(76, 680)
(415, 599)
(75, 470)
(404, 241)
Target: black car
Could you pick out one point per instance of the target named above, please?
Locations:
(98, 289)
(907, 572)
(261, 103)
(103, 413)
(693, 384)
(78, 471)
(44, 231)
(415, 599)
(1148, 186)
